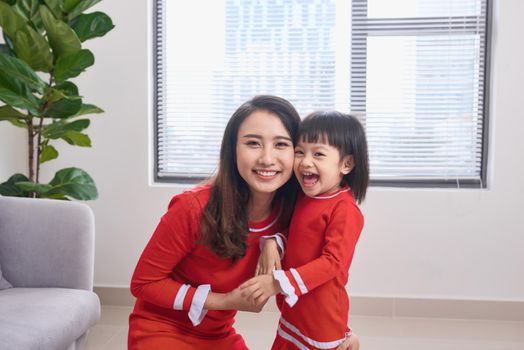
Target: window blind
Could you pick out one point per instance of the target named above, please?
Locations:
(414, 71)
(418, 75)
(209, 62)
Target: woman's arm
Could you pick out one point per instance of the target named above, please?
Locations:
(172, 240)
(233, 300)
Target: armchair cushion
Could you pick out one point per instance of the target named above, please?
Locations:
(45, 318)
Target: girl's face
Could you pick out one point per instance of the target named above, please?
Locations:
(319, 167)
(264, 152)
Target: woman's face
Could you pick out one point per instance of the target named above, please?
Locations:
(264, 153)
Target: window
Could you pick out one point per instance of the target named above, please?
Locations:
(414, 71)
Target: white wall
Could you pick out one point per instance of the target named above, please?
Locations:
(465, 244)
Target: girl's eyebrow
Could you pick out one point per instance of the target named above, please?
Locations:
(260, 137)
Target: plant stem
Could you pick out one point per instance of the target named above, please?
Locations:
(31, 146)
(39, 130)
(39, 148)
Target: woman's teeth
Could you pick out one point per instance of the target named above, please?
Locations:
(266, 173)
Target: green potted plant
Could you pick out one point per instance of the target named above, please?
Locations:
(41, 53)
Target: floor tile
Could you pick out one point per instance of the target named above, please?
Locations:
(376, 333)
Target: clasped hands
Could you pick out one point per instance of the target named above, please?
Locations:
(253, 294)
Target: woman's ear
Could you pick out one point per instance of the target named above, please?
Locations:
(348, 163)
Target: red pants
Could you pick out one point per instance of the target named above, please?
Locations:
(146, 334)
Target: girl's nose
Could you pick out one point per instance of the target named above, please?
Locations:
(306, 162)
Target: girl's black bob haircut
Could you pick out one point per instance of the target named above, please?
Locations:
(345, 133)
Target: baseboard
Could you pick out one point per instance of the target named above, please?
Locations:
(383, 306)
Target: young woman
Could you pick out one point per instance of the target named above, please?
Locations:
(207, 243)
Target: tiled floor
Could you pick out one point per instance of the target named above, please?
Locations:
(376, 333)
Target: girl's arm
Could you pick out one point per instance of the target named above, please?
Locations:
(351, 343)
(340, 240)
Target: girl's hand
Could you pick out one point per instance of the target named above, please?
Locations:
(260, 288)
(351, 343)
(269, 258)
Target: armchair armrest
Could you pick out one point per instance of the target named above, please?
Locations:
(47, 243)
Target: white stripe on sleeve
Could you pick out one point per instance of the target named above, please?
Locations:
(197, 311)
(180, 296)
(300, 283)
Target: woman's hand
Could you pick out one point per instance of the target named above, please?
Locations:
(236, 301)
(260, 288)
(269, 258)
(351, 343)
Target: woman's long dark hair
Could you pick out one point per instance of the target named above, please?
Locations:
(224, 223)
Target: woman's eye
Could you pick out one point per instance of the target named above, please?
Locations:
(299, 153)
(281, 145)
(252, 143)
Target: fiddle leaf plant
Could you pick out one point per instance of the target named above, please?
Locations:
(41, 53)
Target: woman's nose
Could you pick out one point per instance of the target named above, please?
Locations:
(267, 157)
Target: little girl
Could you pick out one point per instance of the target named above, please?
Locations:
(331, 165)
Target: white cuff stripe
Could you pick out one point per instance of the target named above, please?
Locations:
(197, 311)
(180, 296)
(299, 281)
(280, 244)
(287, 287)
(279, 241)
(316, 344)
(281, 235)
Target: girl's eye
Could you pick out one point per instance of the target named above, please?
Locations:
(318, 154)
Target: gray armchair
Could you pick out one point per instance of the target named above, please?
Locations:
(47, 254)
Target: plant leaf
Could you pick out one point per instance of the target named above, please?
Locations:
(16, 94)
(13, 116)
(65, 107)
(33, 49)
(70, 4)
(48, 153)
(5, 50)
(10, 20)
(57, 129)
(21, 71)
(8, 41)
(89, 109)
(79, 7)
(62, 38)
(55, 7)
(10, 189)
(72, 65)
(76, 138)
(92, 25)
(74, 183)
(27, 8)
(29, 186)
